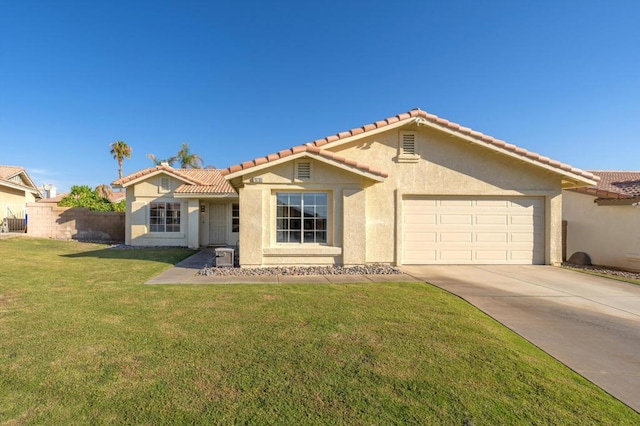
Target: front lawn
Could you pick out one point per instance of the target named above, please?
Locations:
(83, 340)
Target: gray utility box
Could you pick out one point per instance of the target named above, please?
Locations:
(224, 257)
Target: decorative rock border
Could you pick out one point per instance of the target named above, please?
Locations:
(372, 269)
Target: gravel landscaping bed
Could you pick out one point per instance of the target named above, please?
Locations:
(373, 269)
(606, 271)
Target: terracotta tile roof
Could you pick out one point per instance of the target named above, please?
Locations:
(196, 178)
(433, 119)
(126, 179)
(205, 189)
(117, 197)
(7, 172)
(614, 185)
(301, 149)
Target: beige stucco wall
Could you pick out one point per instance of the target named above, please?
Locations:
(446, 166)
(258, 246)
(365, 215)
(610, 235)
(139, 197)
(14, 199)
(194, 223)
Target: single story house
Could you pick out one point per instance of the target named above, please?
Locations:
(410, 189)
(16, 190)
(603, 220)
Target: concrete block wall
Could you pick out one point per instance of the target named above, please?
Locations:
(47, 220)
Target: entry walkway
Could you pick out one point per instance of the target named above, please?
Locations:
(589, 323)
(185, 273)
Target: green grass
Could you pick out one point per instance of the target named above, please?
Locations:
(82, 340)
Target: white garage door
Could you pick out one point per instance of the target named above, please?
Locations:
(457, 230)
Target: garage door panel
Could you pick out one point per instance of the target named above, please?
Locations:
(421, 237)
(492, 203)
(427, 219)
(455, 219)
(454, 203)
(491, 256)
(466, 231)
(456, 255)
(520, 237)
(492, 237)
(492, 219)
(420, 255)
(456, 237)
(522, 255)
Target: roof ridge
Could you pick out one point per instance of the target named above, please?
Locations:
(415, 113)
(169, 169)
(301, 149)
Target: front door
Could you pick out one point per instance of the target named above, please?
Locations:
(204, 225)
(218, 224)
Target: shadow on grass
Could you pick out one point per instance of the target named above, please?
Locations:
(170, 255)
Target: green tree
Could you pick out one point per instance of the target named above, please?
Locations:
(92, 199)
(187, 159)
(120, 150)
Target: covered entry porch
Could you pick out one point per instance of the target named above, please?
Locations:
(213, 221)
(219, 222)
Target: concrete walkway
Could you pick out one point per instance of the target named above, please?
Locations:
(185, 273)
(589, 323)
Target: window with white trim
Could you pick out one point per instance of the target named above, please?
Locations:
(164, 217)
(235, 217)
(301, 217)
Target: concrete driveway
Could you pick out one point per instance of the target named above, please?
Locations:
(590, 324)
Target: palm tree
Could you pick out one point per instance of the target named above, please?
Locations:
(187, 159)
(158, 162)
(120, 150)
(104, 191)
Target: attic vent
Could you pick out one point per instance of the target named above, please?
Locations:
(409, 143)
(407, 148)
(164, 184)
(303, 170)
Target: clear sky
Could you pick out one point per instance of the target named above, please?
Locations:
(241, 79)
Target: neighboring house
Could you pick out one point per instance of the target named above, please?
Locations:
(410, 189)
(604, 220)
(16, 190)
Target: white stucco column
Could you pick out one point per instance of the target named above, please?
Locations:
(354, 227)
(193, 223)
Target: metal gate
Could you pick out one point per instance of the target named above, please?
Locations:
(14, 220)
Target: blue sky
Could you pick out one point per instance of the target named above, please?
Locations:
(238, 80)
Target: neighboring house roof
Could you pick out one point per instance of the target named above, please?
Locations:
(116, 197)
(623, 186)
(17, 177)
(577, 176)
(210, 181)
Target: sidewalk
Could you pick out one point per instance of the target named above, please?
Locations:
(185, 273)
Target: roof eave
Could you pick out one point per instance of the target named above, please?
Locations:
(304, 154)
(206, 195)
(25, 188)
(150, 175)
(573, 179)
